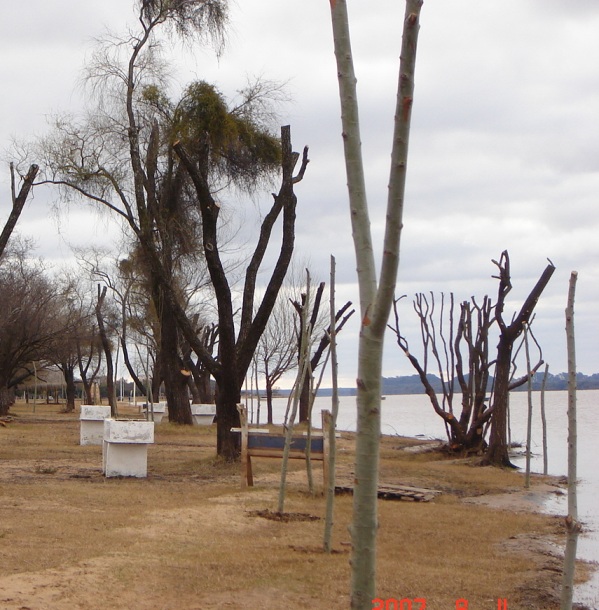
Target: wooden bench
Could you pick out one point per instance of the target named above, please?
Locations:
(258, 442)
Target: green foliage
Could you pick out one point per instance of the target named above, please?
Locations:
(152, 95)
(227, 142)
(202, 18)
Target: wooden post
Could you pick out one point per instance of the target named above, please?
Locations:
(247, 478)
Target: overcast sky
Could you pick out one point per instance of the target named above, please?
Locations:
(504, 150)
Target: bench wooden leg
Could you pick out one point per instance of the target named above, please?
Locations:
(248, 473)
(247, 477)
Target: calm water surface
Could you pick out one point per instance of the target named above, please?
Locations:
(412, 415)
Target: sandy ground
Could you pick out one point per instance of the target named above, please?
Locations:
(83, 584)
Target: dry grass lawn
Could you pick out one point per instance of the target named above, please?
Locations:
(188, 537)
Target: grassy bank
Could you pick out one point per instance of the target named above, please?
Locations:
(189, 537)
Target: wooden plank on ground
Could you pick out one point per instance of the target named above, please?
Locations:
(389, 491)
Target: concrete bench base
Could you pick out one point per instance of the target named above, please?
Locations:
(125, 460)
(92, 418)
(203, 415)
(125, 447)
(159, 410)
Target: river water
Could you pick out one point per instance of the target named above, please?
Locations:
(412, 415)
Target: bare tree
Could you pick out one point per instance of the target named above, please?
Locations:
(457, 348)
(276, 353)
(107, 347)
(18, 202)
(30, 320)
(376, 298)
(459, 351)
(89, 359)
(320, 348)
(497, 453)
(200, 380)
(65, 353)
(237, 348)
(159, 165)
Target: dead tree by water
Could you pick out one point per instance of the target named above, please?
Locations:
(497, 453)
(458, 352)
(457, 348)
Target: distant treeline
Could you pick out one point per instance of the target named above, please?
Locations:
(410, 384)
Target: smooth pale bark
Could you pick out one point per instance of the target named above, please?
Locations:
(572, 524)
(375, 298)
(544, 420)
(330, 491)
(529, 410)
(303, 370)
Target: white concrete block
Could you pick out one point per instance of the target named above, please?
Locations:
(94, 412)
(203, 415)
(125, 460)
(159, 409)
(125, 447)
(128, 431)
(92, 424)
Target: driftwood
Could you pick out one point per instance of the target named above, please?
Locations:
(389, 491)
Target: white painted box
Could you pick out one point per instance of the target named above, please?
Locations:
(203, 415)
(159, 409)
(92, 423)
(128, 431)
(125, 447)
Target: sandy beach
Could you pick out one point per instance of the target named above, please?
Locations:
(188, 536)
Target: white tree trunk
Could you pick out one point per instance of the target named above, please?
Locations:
(529, 410)
(572, 524)
(330, 491)
(304, 365)
(544, 420)
(375, 300)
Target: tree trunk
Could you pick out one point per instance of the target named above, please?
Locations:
(18, 201)
(572, 524)
(544, 420)
(268, 390)
(69, 379)
(6, 398)
(375, 300)
(192, 386)
(136, 380)
(228, 396)
(175, 382)
(107, 353)
(497, 453)
(304, 398)
(87, 392)
(332, 422)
